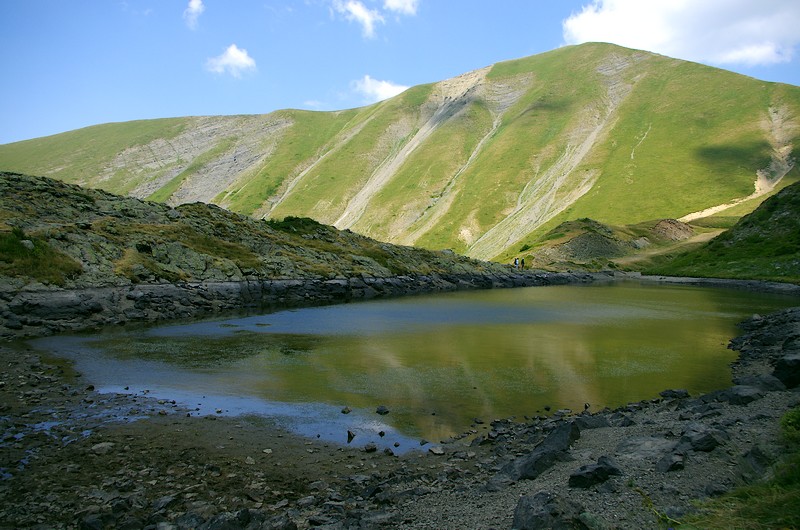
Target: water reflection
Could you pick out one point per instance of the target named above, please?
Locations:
(436, 362)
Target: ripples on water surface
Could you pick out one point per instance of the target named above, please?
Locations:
(435, 361)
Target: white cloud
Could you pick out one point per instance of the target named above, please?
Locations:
(404, 7)
(375, 90)
(193, 12)
(744, 32)
(234, 60)
(353, 10)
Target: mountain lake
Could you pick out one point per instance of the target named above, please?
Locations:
(441, 364)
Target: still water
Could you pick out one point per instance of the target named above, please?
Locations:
(436, 362)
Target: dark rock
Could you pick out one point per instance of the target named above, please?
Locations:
(370, 448)
(163, 502)
(670, 462)
(546, 510)
(562, 437)
(592, 422)
(674, 394)
(279, 522)
(765, 382)
(701, 437)
(715, 489)
(382, 410)
(625, 421)
(552, 449)
(740, 395)
(755, 463)
(591, 474)
(93, 522)
(787, 370)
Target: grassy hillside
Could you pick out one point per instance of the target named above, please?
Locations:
(764, 245)
(484, 163)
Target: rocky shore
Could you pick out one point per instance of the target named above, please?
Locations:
(73, 458)
(38, 310)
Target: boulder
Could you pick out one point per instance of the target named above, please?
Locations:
(787, 370)
(754, 464)
(740, 394)
(701, 437)
(765, 382)
(592, 422)
(591, 474)
(670, 462)
(674, 394)
(546, 510)
(552, 449)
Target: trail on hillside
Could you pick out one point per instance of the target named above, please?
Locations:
(555, 190)
(451, 93)
(780, 128)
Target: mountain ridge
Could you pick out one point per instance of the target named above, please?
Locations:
(482, 163)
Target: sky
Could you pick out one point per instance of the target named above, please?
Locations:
(70, 64)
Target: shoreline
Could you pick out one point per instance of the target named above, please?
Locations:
(70, 459)
(38, 311)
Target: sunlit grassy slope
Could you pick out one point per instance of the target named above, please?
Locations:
(483, 163)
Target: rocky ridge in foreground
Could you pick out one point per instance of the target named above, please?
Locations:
(73, 458)
(75, 258)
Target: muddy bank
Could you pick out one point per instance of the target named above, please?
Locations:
(72, 458)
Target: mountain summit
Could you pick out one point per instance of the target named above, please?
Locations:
(483, 163)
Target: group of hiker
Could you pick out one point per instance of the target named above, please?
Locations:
(519, 264)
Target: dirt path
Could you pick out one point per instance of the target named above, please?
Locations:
(780, 128)
(657, 251)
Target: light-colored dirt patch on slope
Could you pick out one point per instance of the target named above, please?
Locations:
(168, 158)
(499, 97)
(780, 129)
(448, 93)
(550, 193)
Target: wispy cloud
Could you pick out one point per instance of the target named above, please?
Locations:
(714, 31)
(193, 12)
(403, 7)
(375, 90)
(355, 11)
(233, 60)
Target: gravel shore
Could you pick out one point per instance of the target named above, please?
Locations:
(73, 458)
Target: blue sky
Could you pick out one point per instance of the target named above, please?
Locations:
(70, 64)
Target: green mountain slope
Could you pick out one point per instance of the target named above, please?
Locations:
(483, 163)
(764, 244)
